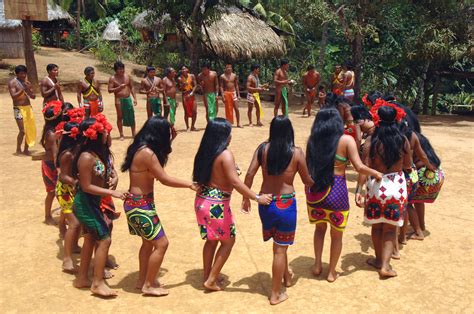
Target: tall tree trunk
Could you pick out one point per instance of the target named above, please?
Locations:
(420, 95)
(78, 25)
(426, 98)
(322, 51)
(434, 101)
(29, 53)
(357, 62)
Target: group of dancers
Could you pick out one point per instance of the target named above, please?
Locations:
(380, 138)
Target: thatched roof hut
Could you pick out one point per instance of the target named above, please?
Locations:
(235, 36)
(11, 37)
(112, 32)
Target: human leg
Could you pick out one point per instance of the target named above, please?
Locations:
(99, 286)
(318, 241)
(221, 257)
(21, 135)
(376, 234)
(48, 203)
(420, 210)
(336, 248)
(388, 239)
(143, 258)
(415, 223)
(70, 241)
(118, 109)
(151, 286)
(82, 280)
(249, 112)
(278, 269)
(208, 253)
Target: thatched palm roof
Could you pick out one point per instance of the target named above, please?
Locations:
(55, 12)
(112, 32)
(235, 36)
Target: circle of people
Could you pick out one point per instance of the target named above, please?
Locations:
(381, 138)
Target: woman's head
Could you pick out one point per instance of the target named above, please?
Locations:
(281, 144)
(52, 114)
(156, 135)
(326, 131)
(215, 140)
(70, 136)
(362, 117)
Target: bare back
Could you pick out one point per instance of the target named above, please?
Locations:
(141, 178)
(377, 162)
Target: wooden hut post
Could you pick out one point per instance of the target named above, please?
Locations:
(78, 25)
(29, 53)
(434, 101)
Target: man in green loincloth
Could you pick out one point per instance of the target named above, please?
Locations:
(281, 88)
(121, 85)
(209, 82)
(151, 85)
(169, 86)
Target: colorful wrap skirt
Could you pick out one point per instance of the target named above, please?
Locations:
(50, 175)
(65, 196)
(213, 214)
(330, 206)
(142, 218)
(386, 200)
(87, 210)
(279, 219)
(188, 104)
(429, 185)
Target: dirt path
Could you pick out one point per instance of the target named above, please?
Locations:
(434, 275)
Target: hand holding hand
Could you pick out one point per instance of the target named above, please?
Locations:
(121, 195)
(265, 199)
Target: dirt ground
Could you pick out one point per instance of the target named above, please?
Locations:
(434, 275)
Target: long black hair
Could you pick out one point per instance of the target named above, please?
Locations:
(326, 131)
(67, 142)
(50, 123)
(411, 118)
(155, 134)
(373, 96)
(430, 152)
(97, 146)
(387, 140)
(281, 146)
(360, 112)
(214, 141)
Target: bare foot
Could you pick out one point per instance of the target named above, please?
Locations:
(332, 276)
(274, 300)
(288, 281)
(259, 124)
(49, 221)
(193, 129)
(111, 264)
(68, 266)
(27, 153)
(239, 126)
(396, 255)
(402, 240)
(387, 273)
(188, 130)
(316, 270)
(17, 153)
(416, 236)
(108, 274)
(156, 284)
(374, 263)
(82, 283)
(211, 286)
(76, 249)
(103, 290)
(155, 291)
(122, 138)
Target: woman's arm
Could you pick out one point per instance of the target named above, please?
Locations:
(251, 172)
(420, 153)
(353, 154)
(65, 169)
(303, 168)
(153, 164)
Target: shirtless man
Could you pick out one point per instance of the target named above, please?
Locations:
(337, 81)
(311, 81)
(348, 80)
(88, 93)
(281, 88)
(169, 85)
(187, 84)
(121, 85)
(21, 92)
(152, 87)
(209, 83)
(253, 96)
(229, 87)
(50, 86)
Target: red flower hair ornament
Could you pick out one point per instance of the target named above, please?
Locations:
(57, 109)
(101, 125)
(382, 103)
(366, 101)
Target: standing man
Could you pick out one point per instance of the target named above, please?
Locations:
(169, 85)
(281, 88)
(151, 85)
(21, 92)
(88, 93)
(229, 87)
(121, 85)
(311, 81)
(337, 82)
(209, 83)
(348, 80)
(50, 87)
(187, 84)
(253, 94)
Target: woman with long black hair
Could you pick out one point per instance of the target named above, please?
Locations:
(280, 160)
(216, 173)
(328, 152)
(65, 189)
(92, 169)
(389, 152)
(145, 160)
(52, 113)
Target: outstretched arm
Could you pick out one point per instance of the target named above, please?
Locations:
(359, 166)
(153, 164)
(251, 172)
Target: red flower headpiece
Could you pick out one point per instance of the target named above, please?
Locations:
(74, 132)
(101, 125)
(60, 127)
(57, 109)
(76, 114)
(382, 103)
(366, 101)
